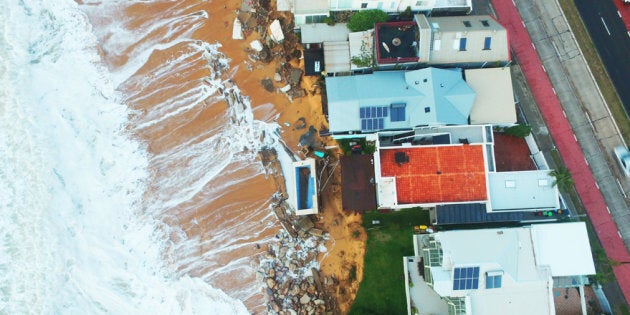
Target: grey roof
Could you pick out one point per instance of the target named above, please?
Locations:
(472, 213)
(322, 32)
(448, 31)
(432, 96)
(310, 7)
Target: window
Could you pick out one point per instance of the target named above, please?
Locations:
(427, 109)
(467, 24)
(397, 112)
(462, 44)
(466, 278)
(315, 19)
(485, 23)
(363, 5)
(486, 43)
(493, 279)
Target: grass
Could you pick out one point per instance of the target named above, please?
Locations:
(382, 290)
(597, 68)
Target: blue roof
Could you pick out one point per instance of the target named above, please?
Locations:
(431, 96)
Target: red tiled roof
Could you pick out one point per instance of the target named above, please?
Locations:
(437, 174)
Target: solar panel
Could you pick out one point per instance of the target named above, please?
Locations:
(466, 278)
(372, 117)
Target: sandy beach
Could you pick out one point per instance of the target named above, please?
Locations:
(211, 222)
(346, 246)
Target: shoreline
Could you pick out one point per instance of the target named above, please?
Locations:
(340, 266)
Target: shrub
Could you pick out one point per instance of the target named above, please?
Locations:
(406, 14)
(519, 130)
(365, 20)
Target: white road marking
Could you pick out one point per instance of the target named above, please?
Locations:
(605, 26)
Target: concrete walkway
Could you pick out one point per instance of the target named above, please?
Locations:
(576, 116)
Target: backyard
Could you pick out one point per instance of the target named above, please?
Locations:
(382, 290)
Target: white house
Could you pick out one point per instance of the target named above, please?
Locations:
(497, 271)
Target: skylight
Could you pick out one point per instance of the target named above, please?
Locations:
(398, 112)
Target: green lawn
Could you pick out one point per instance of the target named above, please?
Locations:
(382, 290)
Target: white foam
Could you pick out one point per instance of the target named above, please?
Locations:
(76, 238)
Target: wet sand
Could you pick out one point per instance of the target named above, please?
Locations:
(219, 228)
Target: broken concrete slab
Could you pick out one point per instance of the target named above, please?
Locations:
(275, 31)
(256, 45)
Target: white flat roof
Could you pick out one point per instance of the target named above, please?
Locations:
(522, 298)
(564, 247)
(386, 192)
(522, 190)
(494, 103)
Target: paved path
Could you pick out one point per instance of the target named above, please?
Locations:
(553, 41)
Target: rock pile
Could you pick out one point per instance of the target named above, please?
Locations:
(290, 274)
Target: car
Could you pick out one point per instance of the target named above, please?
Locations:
(623, 157)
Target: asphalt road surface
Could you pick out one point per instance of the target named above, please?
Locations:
(612, 41)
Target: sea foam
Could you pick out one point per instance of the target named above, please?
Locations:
(76, 237)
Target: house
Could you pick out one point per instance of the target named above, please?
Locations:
(325, 48)
(397, 100)
(474, 40)
(461, 41)
(450, 41)
(315, 11)
(519, 270)
(451, 169)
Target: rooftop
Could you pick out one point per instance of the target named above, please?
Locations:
(504, 270)
(494, 103)
(512, 154)
(397, 42)
(321, 32)
(387, 100)
(533, 190)
(357, 176)
(436, 174)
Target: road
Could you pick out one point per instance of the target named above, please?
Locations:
(576, 117)
(612, 41)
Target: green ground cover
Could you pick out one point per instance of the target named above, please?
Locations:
(382, 290)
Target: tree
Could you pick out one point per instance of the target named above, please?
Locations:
(563, 178)
(365, 20)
